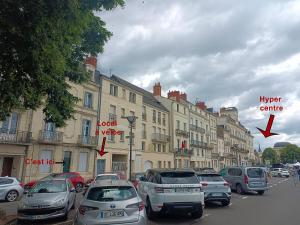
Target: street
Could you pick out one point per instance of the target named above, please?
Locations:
(279, 205)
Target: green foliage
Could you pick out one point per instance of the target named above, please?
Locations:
(290, 154)
(270, 155)
(42, 43)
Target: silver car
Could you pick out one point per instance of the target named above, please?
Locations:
(10, 188)
(215, 188)
(47, 199)
(111, 202)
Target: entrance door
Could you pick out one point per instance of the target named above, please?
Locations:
(100, 166)
(7, 166)
(67, 161)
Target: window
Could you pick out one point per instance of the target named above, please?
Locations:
(122, 112)
(178, 143)
(159, 164)
(177, 124)
(169, 164)
(113, 90)
(234, 172)
(86, 129)
(196, 123)
(144, 117)
(154, 147)
(164, 148)
(177, 108)
(132, 97)
(143, 146)
(83, 159)
(110, 136)
(164, 164)
(192, 136)
(67, 161)
(159, 117)
(202, 153)
(184, 126)
(112, 113)
(159, 147)
(197, 137)
(191, 121)
(45, 155)
(154, 116)
(164, 119)
(122, 136)
(88, 100)
(102, 194)
(123, 93)
(198, 152)
(184, 110)
(9, 125)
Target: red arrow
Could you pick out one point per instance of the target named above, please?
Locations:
(102, 152)
(267, 132)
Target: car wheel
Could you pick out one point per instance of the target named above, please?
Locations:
(149, 211)
(260, 192)
(225, 203)
(198, 214)
(11, 196)
(239, 189)
(79, 187)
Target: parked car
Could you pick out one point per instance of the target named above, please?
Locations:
(111, 202)
(10, 188)
(136, 178)
(47, 199)
(75, 178)
(215, 188)
(100, 177)
(245, 179)
(205, 170)
(280, 172)
(167, 191)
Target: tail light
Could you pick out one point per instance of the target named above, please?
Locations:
(226, 184)
(82, 209)
(139, 205)
(246, 180)
(159, 190)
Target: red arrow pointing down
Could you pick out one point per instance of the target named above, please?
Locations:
(102, 152)
(267, 132)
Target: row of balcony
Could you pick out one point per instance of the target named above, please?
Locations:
(199, 144)
(197, 129)
(182, 133)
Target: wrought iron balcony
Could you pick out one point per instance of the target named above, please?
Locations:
(15, 136)
(50, 136)
(87, 140)
(199, 144)
(182, 133)
(183, 152)
(160, 137)
(197, 129)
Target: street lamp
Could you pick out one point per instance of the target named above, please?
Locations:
(131, 120)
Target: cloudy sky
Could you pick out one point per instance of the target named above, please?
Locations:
(226, 53)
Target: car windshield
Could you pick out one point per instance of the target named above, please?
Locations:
(105, 194)
(49, 186)
(255, 172)
(178, 178)
(210, 177)
(107, 177)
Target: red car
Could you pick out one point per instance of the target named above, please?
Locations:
(75, 178)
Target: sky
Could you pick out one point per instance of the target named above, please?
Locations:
(226, 53)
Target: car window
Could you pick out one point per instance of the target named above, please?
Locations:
(210, 177)
(255, 172)
(235, 172)
(6, 181)
(49, 186)
(105, 194)
(178, 178)
(107, 177)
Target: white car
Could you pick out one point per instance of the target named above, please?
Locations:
(283, 173)
(167, 191)
(11, 189)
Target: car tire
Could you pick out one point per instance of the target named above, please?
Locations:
(150, 213)
(239, 189)
(79, 187)
(261, 192)
(11, 196)
(198, 214)
(225, 203)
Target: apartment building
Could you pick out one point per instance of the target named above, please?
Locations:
(241, 141)
(213, 142)
(199, 135)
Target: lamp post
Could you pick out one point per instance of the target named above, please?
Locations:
(131, 120)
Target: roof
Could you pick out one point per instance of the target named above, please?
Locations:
(110, 183)
(148, 97)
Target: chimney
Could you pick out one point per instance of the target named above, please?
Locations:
(91, 61)
(183, 96)
(157, 89)
(201, 105)
(175, 95)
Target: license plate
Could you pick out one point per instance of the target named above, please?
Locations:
(182, 190)
(107, 214)
(217, 194)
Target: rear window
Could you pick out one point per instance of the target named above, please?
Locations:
(178, 178)
(6, 181)
(106, 194)
(255, 172)
(107, 177)
(211, 177)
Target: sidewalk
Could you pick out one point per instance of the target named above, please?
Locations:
(6, 219)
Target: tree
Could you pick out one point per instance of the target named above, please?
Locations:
(290, 154)
(270, 155)
(43, 44)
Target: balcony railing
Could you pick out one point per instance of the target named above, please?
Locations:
(87, 140)
(160, 137)
(182, 133)
(15, 136)
(112, 117)
(199, 144)
(119, 166)
(183, 152)
(50, 136)
(197, 129)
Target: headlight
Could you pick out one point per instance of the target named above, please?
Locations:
(59, 203)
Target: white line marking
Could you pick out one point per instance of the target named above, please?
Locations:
(245, 197)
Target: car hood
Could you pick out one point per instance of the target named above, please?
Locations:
(43, 198)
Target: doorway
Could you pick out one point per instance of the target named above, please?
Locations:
(7, 166)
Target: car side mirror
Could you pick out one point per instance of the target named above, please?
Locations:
(142, 178)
